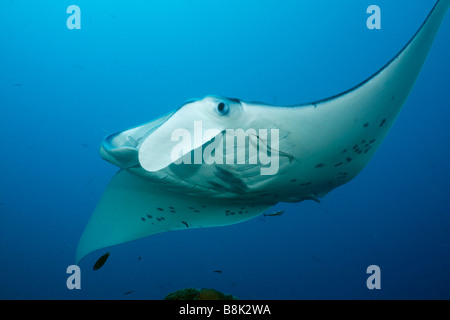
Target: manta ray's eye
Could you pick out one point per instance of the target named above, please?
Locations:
(222, 108)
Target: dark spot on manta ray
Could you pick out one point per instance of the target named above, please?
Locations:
(185, 223)
(101, 261)
(382, 122)
(196, 210)
(149, 216)
(172, 208)
(217, 271)
(344, 151)
(372, 141)
(292, 180)
(320, 165)
(338, 164)
(342, 175)
(348, 159)
(173, 211)
(160, 209)
(143, 219)
(366, 125)
(355, 146)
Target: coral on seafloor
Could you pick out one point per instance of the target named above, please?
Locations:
(196, 294)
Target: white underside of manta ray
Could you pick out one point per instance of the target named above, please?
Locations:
(322, 145)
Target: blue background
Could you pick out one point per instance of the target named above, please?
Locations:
(62, 91)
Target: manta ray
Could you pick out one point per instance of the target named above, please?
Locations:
(320, 146)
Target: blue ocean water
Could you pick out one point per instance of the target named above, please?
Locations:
(62, 91)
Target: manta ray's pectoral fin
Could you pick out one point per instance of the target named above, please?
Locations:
(132, 207)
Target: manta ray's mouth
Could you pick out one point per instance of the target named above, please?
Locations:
(120, 150)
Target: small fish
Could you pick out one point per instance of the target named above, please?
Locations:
(129, 292)
(277, 213)
(101, 261)
(217, 271)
